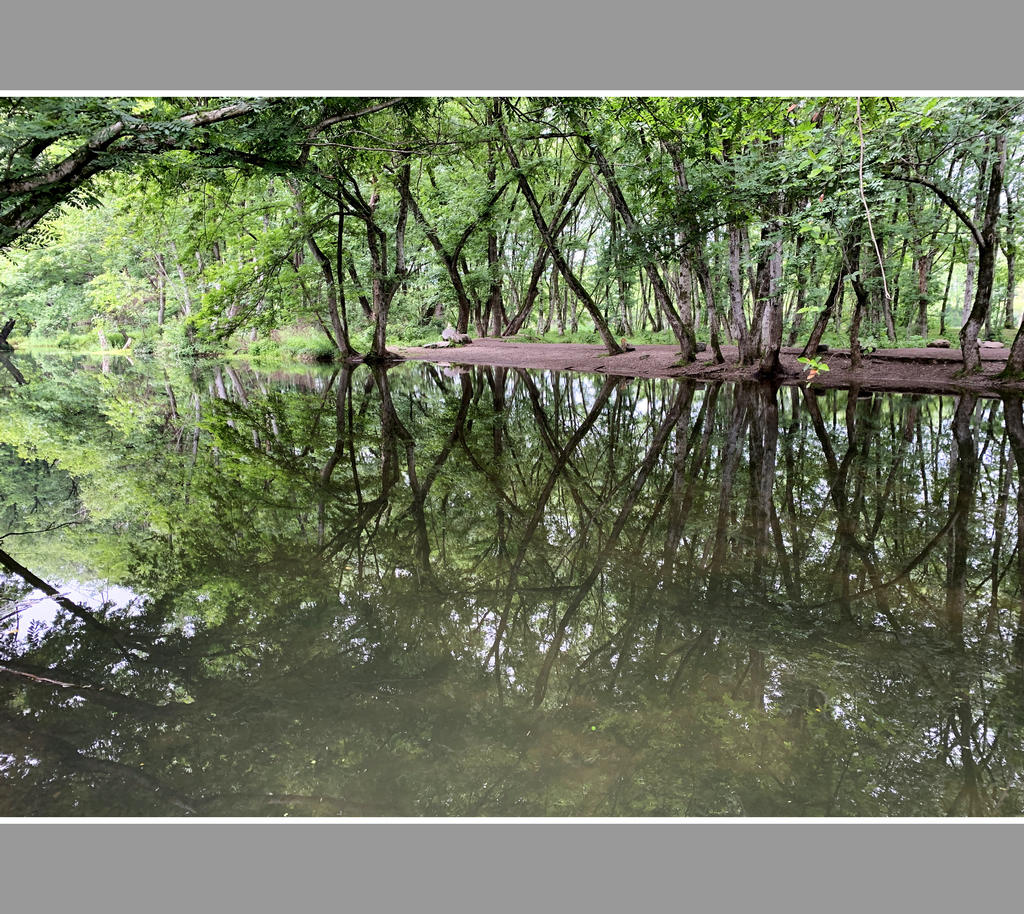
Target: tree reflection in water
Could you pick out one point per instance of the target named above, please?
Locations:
(430, 591)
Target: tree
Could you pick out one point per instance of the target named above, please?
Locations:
(986, 123)
(51, 147)
(683, 329)
(543, 226)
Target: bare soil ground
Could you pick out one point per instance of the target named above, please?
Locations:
(909, 370)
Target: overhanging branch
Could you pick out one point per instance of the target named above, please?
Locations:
(945, 198)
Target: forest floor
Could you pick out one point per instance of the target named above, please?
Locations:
(909, 370)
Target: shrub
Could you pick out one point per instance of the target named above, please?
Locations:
(115, 339)
(307, 346)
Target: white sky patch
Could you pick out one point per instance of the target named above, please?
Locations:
(41, 609)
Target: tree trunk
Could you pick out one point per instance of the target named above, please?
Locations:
(861, 293)
(924, 270)
(973, 252)
(556, 255)
(532, 292)
(1010, 250)
(4, 333)
(684, 290)
(162, 298)
(945, 294)
(881, 287)
(574, 304)
(653, 318)
(801, 297)
(704, 277)
(161, 270)
(552, 303)
(495, 302)
(364, 302)
(896, 280)
(987, 250)
(186, 294)
(620, 281)
(851, 245)
(737, 319)
(451, 264)
(566, 207)
(681, 328)
(335, 293)
(770, 366)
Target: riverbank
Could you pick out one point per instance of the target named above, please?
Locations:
(907, 370)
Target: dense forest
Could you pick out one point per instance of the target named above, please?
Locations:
(231, 584)
(329, 228)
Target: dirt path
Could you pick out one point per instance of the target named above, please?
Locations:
(912, 370)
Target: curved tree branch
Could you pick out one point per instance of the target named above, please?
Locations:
(945, 198)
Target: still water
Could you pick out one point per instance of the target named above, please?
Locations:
(233, 592)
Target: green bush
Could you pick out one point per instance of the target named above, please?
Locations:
(307, 346)
(412, 337)
(69, 341)
(115, 339)
(177, 343)
(264, 350)
(144, 340)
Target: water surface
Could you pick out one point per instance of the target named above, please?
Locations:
(503, 593)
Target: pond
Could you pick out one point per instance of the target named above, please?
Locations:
(435, 591)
